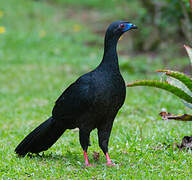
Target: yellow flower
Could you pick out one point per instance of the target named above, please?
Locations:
(2, 29)
(1, 13)
(76, 27)
(42, 33)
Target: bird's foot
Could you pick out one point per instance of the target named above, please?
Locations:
(90, 165)
(110, 164)
(87, 161)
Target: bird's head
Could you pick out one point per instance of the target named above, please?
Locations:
(117, 28)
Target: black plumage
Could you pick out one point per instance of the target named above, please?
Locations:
(92, 101)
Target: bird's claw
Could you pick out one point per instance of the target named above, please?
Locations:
(90, 165)
(110, 164)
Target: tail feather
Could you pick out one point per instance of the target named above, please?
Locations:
(41, 138)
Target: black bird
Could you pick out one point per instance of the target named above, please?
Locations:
(92, 101)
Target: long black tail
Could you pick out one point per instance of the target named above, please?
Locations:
(41, 138)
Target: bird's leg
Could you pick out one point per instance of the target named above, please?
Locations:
(104, 135)
(84, 141)
(86, 159)
(109, 162)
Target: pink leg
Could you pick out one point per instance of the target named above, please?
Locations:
(109, 162)
(86, 160)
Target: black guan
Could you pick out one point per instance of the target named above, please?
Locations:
(92, 101)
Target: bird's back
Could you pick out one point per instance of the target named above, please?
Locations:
(90, 99)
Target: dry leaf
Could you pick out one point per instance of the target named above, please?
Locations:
(96, 156)
(168, 116)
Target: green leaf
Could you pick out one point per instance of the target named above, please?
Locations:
(186, 80)
(189, 52)
(163, 85)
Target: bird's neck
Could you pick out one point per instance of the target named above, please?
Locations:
(110, 58)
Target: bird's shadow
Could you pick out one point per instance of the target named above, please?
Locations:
(68, 158)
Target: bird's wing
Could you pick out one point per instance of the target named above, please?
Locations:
(75, 100)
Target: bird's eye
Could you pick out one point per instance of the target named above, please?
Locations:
(122, 25)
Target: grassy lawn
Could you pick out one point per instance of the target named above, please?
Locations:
(45, 47)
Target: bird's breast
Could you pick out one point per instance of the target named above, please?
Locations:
(110, 92)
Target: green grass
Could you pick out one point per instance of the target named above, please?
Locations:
(44, 50)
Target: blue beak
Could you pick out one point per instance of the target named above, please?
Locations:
(129, 26)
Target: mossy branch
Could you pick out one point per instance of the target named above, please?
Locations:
(163, 85)
(179, 76)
